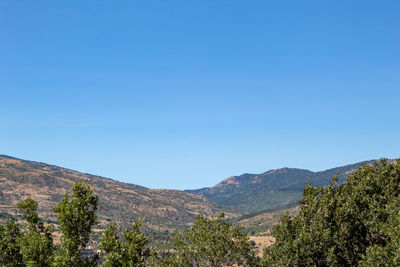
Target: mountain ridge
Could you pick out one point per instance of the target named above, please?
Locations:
(163, 210)
(272, 189)
(246, 198)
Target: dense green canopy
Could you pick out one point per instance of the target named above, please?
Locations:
(355, 223)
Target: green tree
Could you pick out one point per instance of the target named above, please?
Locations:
(211, 243)
(388, 253)
(37, 241)
(10, 254)
(343, 225)
(132, 251)
(77, 216)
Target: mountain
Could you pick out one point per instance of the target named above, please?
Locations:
(255, 201)
(272, 189)
(163, 210)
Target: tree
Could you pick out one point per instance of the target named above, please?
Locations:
(211, 243)
(132, 251)
(343, 225)
(388, 253)
(37, 241)
(77, 216)
(10, 254)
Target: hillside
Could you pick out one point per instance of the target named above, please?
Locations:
(272, 189)
(255, 201)
(163, 210)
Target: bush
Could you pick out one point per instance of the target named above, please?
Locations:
(210, 243)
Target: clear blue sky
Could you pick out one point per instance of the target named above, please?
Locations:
(182, 94)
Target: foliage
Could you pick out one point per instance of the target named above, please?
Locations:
(387, 254)
(132, 251)
(10, 254)
(77, 216)
(37, 242)
(347, 225)
(210, 243)
(29, 209)
(207, 243)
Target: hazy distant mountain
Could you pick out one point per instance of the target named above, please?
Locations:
(163, 210)
(272, 189)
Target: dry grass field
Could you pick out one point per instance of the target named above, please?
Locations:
(262, 241)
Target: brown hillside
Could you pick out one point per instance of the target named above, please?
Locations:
(163, 210)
